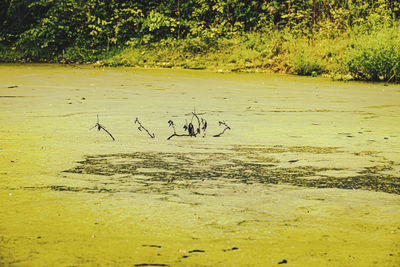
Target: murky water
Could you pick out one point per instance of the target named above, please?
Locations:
(308, 173)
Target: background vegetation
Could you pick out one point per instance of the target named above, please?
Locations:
(306, 37)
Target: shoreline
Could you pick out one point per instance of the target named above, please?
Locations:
(328, 77)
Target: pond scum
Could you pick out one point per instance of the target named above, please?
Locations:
(163, 172)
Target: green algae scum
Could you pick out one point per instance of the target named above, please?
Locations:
(308, 175)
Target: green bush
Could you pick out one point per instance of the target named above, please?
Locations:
(193, 45)
(374, 56)
(307, 64)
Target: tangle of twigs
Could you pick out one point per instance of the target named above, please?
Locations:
(101, 127)
(141, 127)
(190, 128)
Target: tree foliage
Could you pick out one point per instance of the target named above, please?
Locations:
(46, 29)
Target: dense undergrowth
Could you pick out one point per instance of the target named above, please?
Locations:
(356, 39)
(372, 55)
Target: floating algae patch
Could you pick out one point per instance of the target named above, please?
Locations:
(282, 149)
(162, 172)
(81, 189)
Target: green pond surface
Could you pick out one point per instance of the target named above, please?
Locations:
(307, 175)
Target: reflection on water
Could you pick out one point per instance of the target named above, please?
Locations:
(162, 172)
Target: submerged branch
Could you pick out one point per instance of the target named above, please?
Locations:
(101, 127)
(141, 127)
(189, 128)
(179, 135)
(172, 124)
(226, 128)
(198, 122)
(204, 126)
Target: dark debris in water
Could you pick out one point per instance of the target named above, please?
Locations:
(163, 172)
(197, 251)
(151, 264)
(152, 246)
(230, 249)
(284, 261)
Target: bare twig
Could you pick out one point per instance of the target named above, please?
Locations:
(226, 128)
(172, 124)
(394, 75)
(141, 127)
(101, 127)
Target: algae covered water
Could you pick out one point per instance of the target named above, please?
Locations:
(307, 175)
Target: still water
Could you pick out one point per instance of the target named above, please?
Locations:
(307, 175)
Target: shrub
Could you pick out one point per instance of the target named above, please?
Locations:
(374, 56)
(194, 45)
(307, 64)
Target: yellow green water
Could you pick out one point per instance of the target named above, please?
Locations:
(309, 172)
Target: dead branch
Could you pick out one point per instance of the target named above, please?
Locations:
(172, 124)
(101, 127)
(190, 129)
(141, 127)
(204, 126)
(179, 135)
(198, 122)
(226, 128)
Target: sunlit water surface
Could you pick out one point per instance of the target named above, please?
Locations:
(307, 174)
